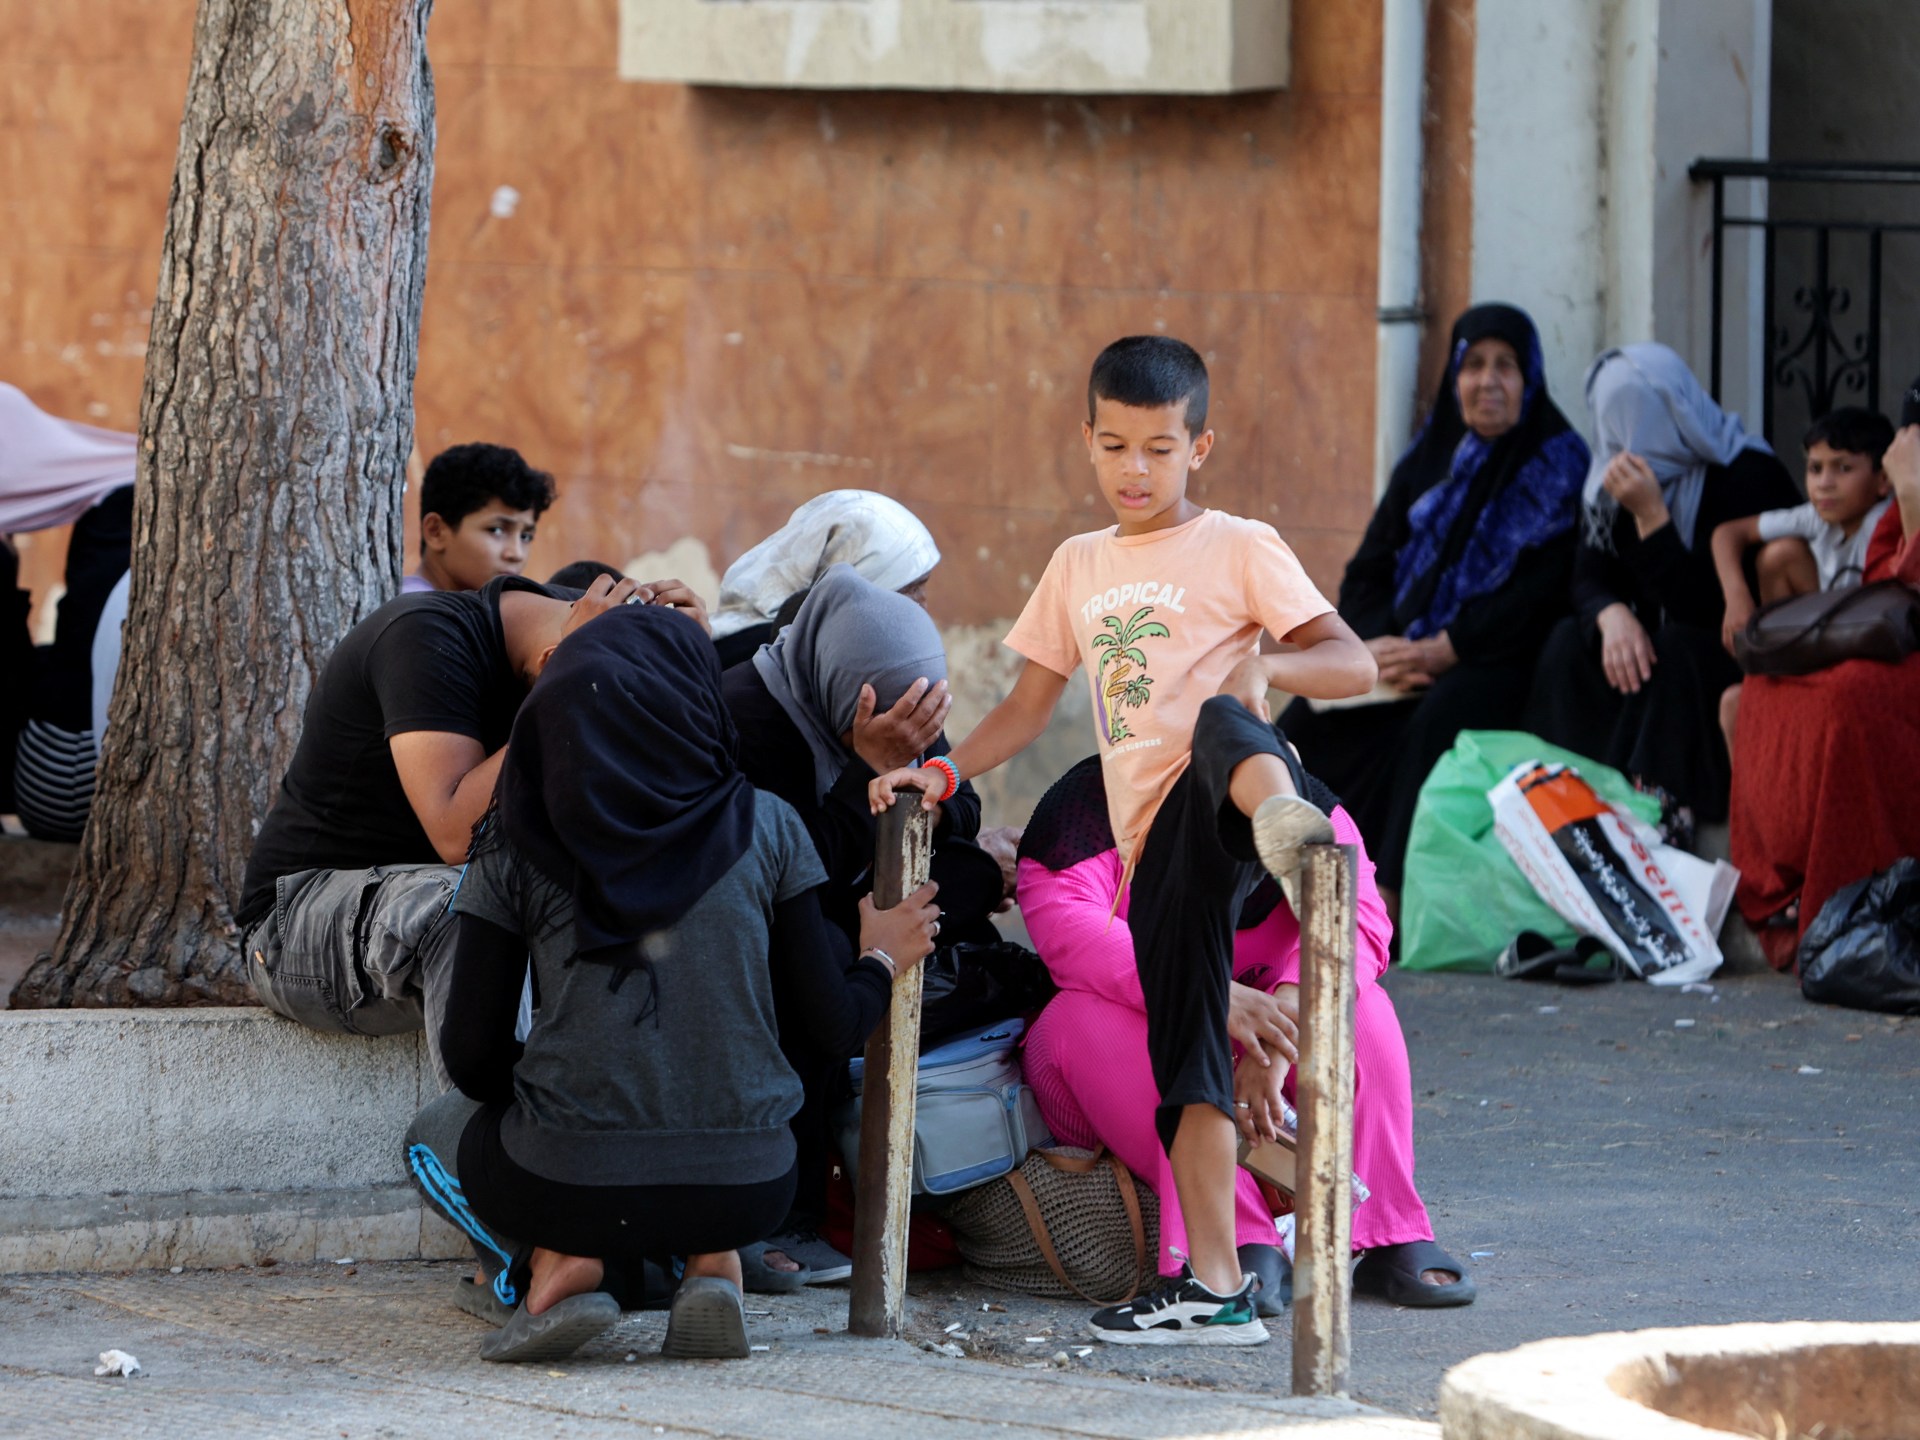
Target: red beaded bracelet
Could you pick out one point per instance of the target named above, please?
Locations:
(951, 770)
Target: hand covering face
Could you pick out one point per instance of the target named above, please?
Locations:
(1645, 400)
(850, 632)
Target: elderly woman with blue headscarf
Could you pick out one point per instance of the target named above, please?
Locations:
(1461, 574)
(1634, 677)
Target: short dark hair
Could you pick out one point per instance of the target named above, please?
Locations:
(1148, 371)
(1854, 428)
(579, 574)
(464, 478)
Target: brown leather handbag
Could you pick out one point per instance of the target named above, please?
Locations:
(1815, 632)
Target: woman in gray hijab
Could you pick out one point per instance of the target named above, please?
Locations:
(855, 686)
(1633, 678)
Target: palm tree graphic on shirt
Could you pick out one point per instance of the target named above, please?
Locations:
(1122, 679)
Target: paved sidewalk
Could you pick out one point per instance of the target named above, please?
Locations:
(375, 1350)
(1613, 1170)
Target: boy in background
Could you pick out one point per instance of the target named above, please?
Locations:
(479, 505)
(1165, 611)
(1818, 546)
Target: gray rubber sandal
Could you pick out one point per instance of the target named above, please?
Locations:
(707, 1322)
(1281, 826)
(763, 1279)
(554, 1333)
(480, 1302)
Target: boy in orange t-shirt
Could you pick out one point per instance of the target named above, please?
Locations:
(1165, 611)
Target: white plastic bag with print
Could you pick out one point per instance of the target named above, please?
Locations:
(1609, 874)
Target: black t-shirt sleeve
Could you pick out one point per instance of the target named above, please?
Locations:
(427, 673)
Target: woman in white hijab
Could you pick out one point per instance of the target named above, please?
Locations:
(879, 537)
(1633, 678)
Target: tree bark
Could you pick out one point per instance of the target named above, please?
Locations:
(275, 423)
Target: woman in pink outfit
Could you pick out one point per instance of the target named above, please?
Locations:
(1086, 1056)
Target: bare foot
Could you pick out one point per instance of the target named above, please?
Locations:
(722, 1264)
(558, 1277)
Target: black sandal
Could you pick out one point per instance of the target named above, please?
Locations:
(1394, 1271)
(1532, 956)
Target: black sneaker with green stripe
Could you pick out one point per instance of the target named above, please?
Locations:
(1182, 1311)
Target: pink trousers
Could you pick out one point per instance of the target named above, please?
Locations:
(1086, 1056)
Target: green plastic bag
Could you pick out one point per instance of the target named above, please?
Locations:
(1464, 899)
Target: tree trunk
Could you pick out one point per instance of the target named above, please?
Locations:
(275, 424)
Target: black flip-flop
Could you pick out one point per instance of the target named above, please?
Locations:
(1593, 963)
(1532, 956)
(1394, 1271)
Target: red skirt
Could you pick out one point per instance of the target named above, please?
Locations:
(1822, 777)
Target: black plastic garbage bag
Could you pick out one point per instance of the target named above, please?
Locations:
(968, 986)
(1863, 948)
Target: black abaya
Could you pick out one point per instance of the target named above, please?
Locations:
(1667, 735)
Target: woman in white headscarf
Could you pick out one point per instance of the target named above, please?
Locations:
(1633, 678)
(879, 537)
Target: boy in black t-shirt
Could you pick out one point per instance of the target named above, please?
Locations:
(346, 891)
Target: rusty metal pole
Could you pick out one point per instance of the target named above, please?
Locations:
(1324, 1215)
(884, 1186)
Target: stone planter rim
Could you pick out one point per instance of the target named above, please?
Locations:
(1560, 1389)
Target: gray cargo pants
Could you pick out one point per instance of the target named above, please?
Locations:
(359, 952)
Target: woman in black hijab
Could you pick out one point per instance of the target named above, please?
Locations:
(668, 907)
(1461, 574)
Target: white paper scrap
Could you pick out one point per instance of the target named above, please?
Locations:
(117, 1362)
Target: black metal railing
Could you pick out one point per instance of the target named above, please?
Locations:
(1826, 352)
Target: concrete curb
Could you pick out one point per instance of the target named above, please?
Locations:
(143, 1138)
(1693, 1384)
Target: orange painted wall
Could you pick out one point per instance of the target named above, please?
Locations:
(708, 305)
